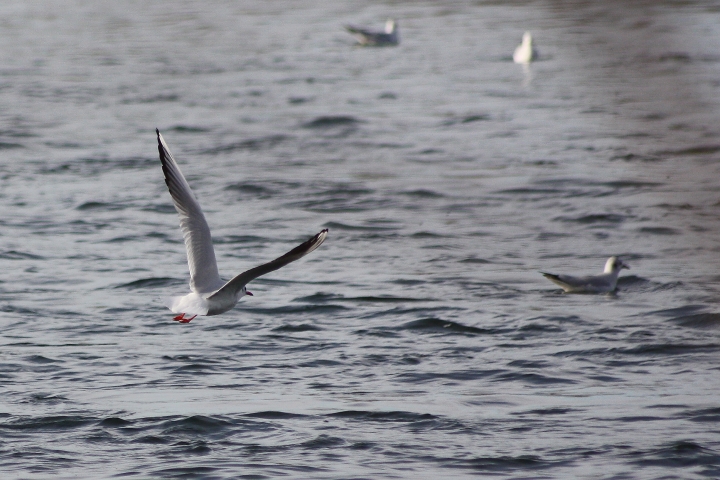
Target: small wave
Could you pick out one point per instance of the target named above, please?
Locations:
(153, 282)
(252, 190)
(700, 320)
(57, 422)
(659, 231)
(159, 98)
(480, 117)
(678, 454)
(532, 378)
(426, 234)
(546, 411)
(384, 299)
(323, 441)
(164, 207)
(100, 206)
(47, 398)
(593, 218)
(41, 359)
(710, 415)
(634, 184)
(99, 165)
(16, 255)
(501, 463)
(194, 369)
(480, 261)
(691, 151)
(670, 349)
(416, 378)
(188, 129)
(531, 191)
(304, 327)
(391, 416)
(649, 349)
(363, 228)
(196, 424)
(678, 311)
(260, 143)
(273, 415)
(299, 100)
(295, 309)
(319, 298)
(192, 448)
(636, 157)
(114, 422)
(231, 239)
(423, 193)
(331, 121)
(349, 201)
(437, 325)
(151, 440)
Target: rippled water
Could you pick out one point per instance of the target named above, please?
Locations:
(419, 341)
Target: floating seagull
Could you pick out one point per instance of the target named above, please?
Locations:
(210, 295)
(525, 53)
(376, 38)
(606, 282)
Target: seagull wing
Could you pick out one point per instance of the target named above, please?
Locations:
(596, 283)
(204, 276)
(296, 253)
(358, 30)
(560, 280)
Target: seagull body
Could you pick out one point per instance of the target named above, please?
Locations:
(605, 282)
(365, 37)
(210, 295)
(525, 52)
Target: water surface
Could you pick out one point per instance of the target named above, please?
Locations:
(419, 341)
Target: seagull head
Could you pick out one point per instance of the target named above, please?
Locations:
(614, 264)
(246, 292)
(527, 38)
(390, 26)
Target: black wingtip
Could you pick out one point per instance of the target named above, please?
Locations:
(550, 275)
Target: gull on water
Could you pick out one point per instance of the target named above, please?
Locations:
(525, 52)
(210, 295)
(605, 282)
(390, 36)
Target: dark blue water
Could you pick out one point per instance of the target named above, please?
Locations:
(419, 341)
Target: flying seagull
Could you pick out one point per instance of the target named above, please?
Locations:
(210, 295)
(525, 52)
(605, 282)
(374, 38)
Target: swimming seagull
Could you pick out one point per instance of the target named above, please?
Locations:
(605, 282)
(525, 52)
(210, 295)
(374, 38)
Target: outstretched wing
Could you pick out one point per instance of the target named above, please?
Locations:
(204, 276)
(296, 253)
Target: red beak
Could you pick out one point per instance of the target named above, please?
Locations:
(248, 293)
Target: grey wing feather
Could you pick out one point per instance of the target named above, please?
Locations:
(204, 276)
(563, 280)
(592, 283)
(359, 30)
(295, 254)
